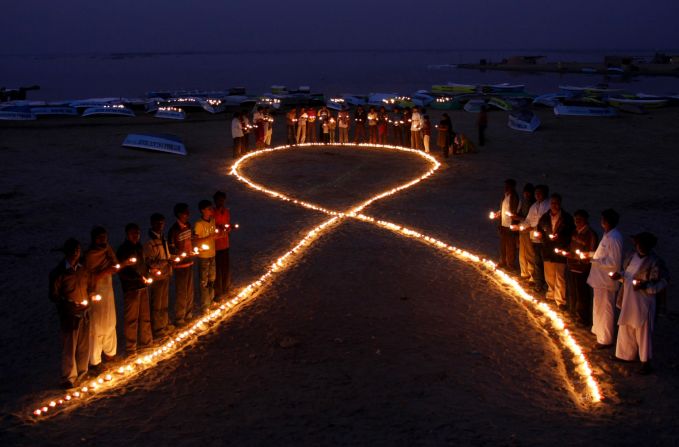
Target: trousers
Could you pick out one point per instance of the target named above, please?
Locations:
(137, 319)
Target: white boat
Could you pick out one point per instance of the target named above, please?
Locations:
(474, 105)
(109, 110)
(212, 105)
(171, 113)
(54, 111)
(550, 99)
(422, 98)
(336, 103)
(270, 100)
(160, 143)
(645, 103)
(184, 102)
(14, 115)
(93, 102)
(523, 120)
(583, 110)
(355, 100)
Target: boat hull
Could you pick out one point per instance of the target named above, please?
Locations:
(569, 110)
(158, 143)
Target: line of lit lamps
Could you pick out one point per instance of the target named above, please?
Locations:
(204, 324)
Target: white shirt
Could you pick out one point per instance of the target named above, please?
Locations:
(535, 212)
(505, 219)
(635, 303)
(416, 124)
(607, 258)
(236, 128)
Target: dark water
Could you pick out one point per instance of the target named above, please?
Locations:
(332, 72)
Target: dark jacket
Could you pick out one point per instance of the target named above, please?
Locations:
(68, 288)
(132, 277)
(585, 241)
(563, 232)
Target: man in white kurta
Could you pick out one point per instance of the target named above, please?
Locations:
(101, 261)
(644, 275)
(606, 260)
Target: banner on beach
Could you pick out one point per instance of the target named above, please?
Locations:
(161, 143)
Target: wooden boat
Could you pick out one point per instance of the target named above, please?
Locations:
(109, 110)
(336, 104)
(213, 105)
(54, 111)
(500, 103)
(16, 115)
(523, 120)
(171, 113)
(160, 143)
(452, 87)
(595, 90)
(93, 102)
(583, 109)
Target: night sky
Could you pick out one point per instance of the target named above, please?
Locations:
(80, 26)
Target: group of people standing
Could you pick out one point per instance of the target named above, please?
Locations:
(408, 127)
(81, 285)
(584, 275)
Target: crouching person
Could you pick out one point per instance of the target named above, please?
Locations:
(643, 275)
(69, 288)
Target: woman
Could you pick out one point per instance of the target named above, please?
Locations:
(382, 123)
(426, 132)
(372, 125)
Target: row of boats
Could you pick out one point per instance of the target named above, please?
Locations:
(597, 100)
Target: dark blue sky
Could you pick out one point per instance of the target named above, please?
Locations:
(77, 26)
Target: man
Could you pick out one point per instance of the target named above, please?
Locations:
(157, 255)
(526, 253)
(396, 120)
(372, 125)
(135, 280)
(181, 247)
(268, 122)
(360, 118)
(204, 238)
(555, 228)
(223, 228)
(69, 289)
(583, 244)
(291, 122)
(311, 134)
(407, 121)
(301, 126)
(508, 207)
(415, 129)
(323, 118)
(537, 210)
(343, 124)
(237, 135)
(605, 262)
(102, 264)
(644, 275)
(247, 130)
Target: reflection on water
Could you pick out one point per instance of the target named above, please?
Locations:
(332, 72)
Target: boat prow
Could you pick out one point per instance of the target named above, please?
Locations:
(109, 110)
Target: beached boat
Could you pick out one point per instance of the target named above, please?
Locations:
(422, 98)
(397, 101)
(446, 103)
(336, 103)
(54, 111)
(644, 103)
(170, 113)
(16, 115)
(213, 105)
(502, 88)
(452, 87)
(93, 102)
(596, 90)
(160, 143)
(500, 103)
(109, 110)
(355, 100)
(475, 105)
(583, 110)
(523, 120)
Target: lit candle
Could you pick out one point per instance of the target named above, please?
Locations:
(205, 247)
(84, 303)
(96, 297)
(133, 260)
(117, 266)
(536, 234)
(184, 254)
(491, 215)
(635, 282)
(522, 227)
(552, 236)
(177, 259)
(611, 274)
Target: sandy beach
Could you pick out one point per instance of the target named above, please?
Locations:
(371, 338)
